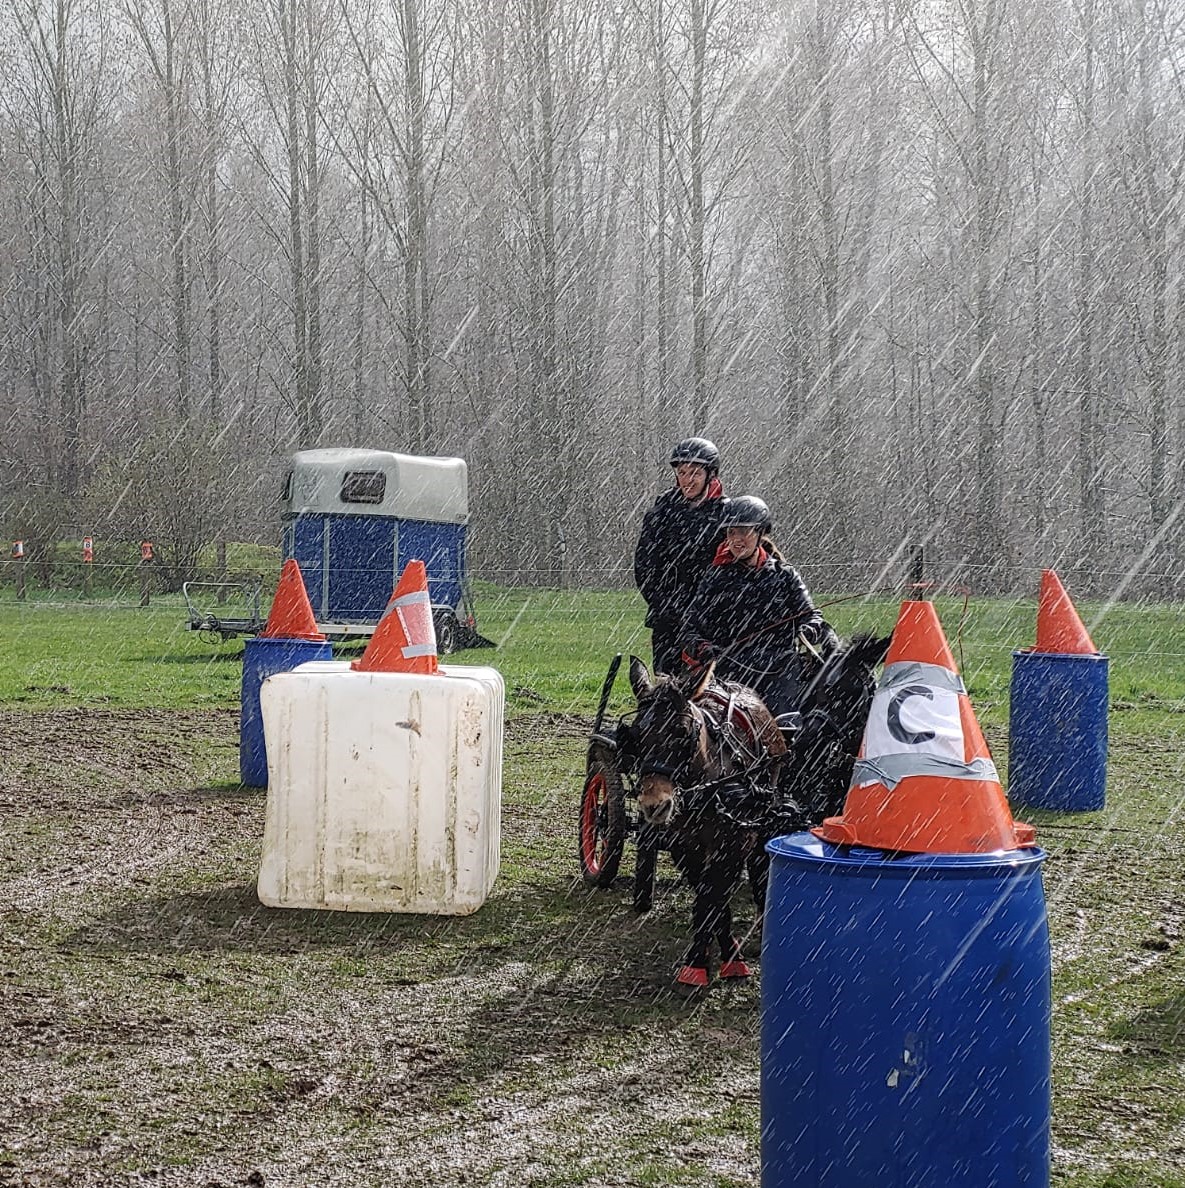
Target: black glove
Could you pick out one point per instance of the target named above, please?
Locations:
(821, 636)
(812, 632)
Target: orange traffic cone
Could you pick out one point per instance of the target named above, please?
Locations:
(925, 781)
(291, 616)
(1059, 629)
(405, 639)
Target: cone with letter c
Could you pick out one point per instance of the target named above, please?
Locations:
(405, 639)
(1060, 630)
(291, 616)
(924, 781)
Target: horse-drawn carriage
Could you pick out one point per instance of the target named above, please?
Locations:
(609, 814)
(609, 810)
(703, 770)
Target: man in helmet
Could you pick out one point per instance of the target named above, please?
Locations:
(678, 541)
(751, 609)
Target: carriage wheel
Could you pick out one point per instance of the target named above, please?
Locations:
(602, 822)
(448, 632)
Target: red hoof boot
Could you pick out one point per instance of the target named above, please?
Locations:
(735, 969)
(694, 976)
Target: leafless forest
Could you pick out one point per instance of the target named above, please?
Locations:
(916, 265)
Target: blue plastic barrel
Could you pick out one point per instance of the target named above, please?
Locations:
(905, 1034)
(263, 657)
(1057, 731)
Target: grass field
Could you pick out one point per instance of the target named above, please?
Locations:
(159, 1026)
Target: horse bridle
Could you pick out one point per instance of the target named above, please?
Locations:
(709, 793)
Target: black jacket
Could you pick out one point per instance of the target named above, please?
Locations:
(734, 600)
(676, 546)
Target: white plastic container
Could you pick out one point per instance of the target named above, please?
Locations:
(384, 789)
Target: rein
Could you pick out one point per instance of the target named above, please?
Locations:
(736, 643)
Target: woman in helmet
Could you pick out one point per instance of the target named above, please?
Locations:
(678, 541)
(751, 608)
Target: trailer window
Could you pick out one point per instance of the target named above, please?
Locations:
(287, 496)
(363, 486)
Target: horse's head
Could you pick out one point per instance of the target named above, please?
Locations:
(845, 682)
(836, 709)
(669, 737)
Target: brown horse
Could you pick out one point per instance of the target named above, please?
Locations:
(708, 757)
(717, 776)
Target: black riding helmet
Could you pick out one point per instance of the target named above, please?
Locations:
(697, 450)
(746, 511)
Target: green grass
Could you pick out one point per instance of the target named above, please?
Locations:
(162, 1018)
(554, 649)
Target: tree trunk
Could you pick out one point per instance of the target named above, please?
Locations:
(697, 219)
(1088, 453)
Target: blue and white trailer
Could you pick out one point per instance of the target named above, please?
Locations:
(353, 519)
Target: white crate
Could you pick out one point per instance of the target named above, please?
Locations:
(384, 789)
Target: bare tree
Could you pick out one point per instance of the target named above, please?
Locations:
(163, 34)
(61, 95)
(1091, 498)
(296, 32)
(407, 117)
(1154, 181)
(972, 98)
(704, 69)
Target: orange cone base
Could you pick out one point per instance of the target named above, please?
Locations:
(291, 616)
(928, 815)
(1060, 630)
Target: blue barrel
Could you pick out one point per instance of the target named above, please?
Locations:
(1057, 731)
(263, 657)
(905, 1032)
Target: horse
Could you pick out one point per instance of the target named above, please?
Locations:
(817, 773)
(834, 712)
(719, 777)
(709, 757)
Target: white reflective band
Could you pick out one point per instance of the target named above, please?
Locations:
(913, 672)
(915, 720)
(890, 770)
(409, 599)
(418, 630)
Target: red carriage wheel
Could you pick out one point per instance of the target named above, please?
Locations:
(602, 821)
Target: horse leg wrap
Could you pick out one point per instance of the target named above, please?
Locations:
(693, 975)
(735, 969)
(733, 964)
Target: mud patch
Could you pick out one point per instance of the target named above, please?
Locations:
(161, 1026)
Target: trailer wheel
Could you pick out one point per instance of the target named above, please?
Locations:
(602, 821)
(448, 632)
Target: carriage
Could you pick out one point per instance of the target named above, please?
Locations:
(818, 743)
(608, 808)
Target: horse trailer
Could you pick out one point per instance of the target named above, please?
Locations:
(353, 519)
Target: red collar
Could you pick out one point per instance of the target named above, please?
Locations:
(714, 490)
(724, 556)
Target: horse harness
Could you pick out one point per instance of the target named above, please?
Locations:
(734, 734)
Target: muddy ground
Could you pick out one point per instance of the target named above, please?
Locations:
(157, 1025)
